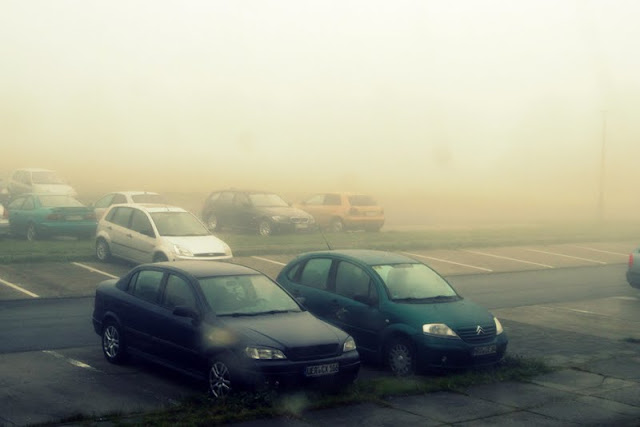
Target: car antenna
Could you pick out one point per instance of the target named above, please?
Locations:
(325, 240)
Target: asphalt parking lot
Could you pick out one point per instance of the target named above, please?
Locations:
(589, 338)
(51, 280)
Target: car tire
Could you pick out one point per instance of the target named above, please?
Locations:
(219, 379)
(336, 225)
(400, 357)
(113, 344)
(265, 228)
(103, 253)
(211, 221)
(160, 258)
(32, 233)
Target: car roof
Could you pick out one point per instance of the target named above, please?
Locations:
(133, 192)
(366, 256)
(152, 207)
(200, 269)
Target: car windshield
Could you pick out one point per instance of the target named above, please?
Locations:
(414, 281)
(46, 177)
(59, 201)
(361, 200)
(246, 295)
(178, 224)
(147, 198)
(266, 200)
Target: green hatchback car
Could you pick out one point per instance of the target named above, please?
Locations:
(399, 311)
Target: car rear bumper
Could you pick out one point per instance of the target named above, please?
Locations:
(363, 222)
(633, 279)
(446, 353)
(67, 229)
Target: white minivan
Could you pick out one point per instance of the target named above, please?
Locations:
(40, 181)
(144, 233)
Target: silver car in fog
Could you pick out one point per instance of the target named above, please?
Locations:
(144, 233)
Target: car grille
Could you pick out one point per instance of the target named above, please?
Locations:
(313, 352)
(209, 254)
(299, 220)
(470, 333)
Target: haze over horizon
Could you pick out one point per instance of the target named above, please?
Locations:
(473, 106)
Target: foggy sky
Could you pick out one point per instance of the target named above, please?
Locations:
(489, 101)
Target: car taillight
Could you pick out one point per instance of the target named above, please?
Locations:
(54, 217)
(630, 260)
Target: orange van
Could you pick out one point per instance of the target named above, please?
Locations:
(344, 211)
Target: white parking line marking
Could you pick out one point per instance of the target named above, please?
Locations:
(18, 288)
(447, 261)
(598, 250)
(506, 257)
(69, 360)
(95, 270)
(574, 310)
(269, 260)
(567, 256)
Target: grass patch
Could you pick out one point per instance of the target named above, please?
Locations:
(244, 244)
(201, 411)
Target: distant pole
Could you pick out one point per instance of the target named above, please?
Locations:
(603, 153)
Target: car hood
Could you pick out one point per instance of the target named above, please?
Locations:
(454, 314)
(287, 211)
(284, 330)
(198, 244)
(54, 189)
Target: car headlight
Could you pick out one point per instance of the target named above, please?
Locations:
(439, 329)
(182, 251)
(349, 345)
(499, 329)
(264, 353)
(279, 218)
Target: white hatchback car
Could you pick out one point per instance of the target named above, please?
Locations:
(154, 232)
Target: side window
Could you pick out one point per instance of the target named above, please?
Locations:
(17, 203)
(241, 199)
(104, 202)
(316, 200)
(315, 273)
(225, 197)
(120, 216)
(332, 200)
(178, 292)
(147, 285)
(351, 280)
(119, 198)
(141, 224)
(28, 204)
(213, 197)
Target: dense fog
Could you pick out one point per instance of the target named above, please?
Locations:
(446, 112)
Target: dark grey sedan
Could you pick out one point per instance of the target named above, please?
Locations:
(225, 323)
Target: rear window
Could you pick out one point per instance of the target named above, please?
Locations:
(362, 200)
(58, 201)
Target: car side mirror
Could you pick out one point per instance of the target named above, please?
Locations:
(186, 311)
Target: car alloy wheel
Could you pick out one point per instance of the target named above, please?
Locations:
(265, 228)
(103, 253)
(113, 344)
(336, 225)
(219, 380)
(32, 234)
(400, 357)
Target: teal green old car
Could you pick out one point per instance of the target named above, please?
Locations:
(399, 311)
(43, 215)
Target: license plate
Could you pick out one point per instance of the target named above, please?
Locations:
(73, 217)
(483, 350)
(319, 370)
(299, 226)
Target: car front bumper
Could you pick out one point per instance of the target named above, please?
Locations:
(434, 352)
(288, 373)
